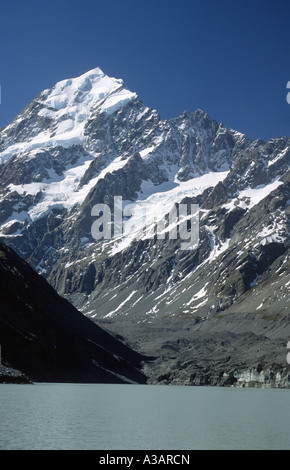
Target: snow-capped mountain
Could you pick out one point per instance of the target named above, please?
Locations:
(58, 116)
(89, 140)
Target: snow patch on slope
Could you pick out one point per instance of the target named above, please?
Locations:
(249, 197)
(64, 192)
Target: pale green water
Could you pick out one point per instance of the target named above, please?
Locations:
(142, 417)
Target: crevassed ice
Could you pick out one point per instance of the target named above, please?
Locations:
(155, 202)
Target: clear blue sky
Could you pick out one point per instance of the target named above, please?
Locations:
(230, 58)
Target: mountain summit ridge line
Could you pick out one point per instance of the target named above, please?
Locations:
(89, 139)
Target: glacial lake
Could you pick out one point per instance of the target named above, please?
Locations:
(142, 417)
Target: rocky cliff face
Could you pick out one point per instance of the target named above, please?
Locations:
(88, 140)
(46, 339)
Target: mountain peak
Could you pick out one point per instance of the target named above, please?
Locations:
(71, 102)
(58, 116)
(93, 72)
(86, 89)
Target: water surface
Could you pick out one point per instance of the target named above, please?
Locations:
(142, 417)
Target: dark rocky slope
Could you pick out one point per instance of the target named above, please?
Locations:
(8, 375)
(47, 339)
